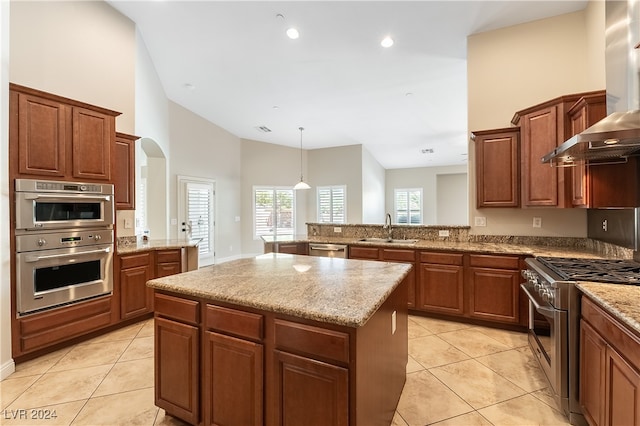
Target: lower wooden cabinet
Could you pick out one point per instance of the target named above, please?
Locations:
(168, 262)
(441, 283)
(135, 297)
(291, 248)
(609, 369)
(308, 391)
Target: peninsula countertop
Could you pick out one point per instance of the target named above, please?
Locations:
(336, 291)
(157, 244)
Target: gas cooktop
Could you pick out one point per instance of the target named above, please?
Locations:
(615, 271)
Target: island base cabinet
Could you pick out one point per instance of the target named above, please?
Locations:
(310, 392)
(233, 381)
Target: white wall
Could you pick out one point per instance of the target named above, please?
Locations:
(337, 166)
(452, 197)
(6, 362)
(427, 179)
(373, 189)
(202, 149)
(271, 165)
(513, 68)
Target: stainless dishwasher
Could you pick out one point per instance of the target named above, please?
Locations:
(328, 250)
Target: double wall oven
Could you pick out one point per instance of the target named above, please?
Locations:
(64, 243)
(554, 317)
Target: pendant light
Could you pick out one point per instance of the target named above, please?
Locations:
(302, 184)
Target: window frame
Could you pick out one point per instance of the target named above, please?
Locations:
(408, 192)
(331, 209)
(274, 189)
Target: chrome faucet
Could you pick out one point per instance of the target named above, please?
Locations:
(387, 226)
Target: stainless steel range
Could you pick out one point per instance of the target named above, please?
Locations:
(554, 317)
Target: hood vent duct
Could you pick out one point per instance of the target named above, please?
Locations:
(617, 136)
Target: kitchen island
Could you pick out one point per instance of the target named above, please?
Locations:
(282, 339)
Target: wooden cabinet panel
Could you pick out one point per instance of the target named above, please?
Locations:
(494, 261)
(440, 288)
(311, 341)
(497, 167)
(365, 253)
(233, 381)
(177, 308)
(592, 380)
(622, 390)
(135, 297)
(399, 255)
(177, 385)
(124, 179)
(310, 392)
(232, 321)
(493, 294)
(168, 262)
(93, 139)
(441, 258)
(42, 136)
(292, 248)
(605, 184)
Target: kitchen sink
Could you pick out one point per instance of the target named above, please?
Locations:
(387, 241)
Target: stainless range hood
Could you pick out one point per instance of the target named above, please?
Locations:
(616, 136)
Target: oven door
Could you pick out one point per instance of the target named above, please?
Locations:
(548, 339)
(36, 211)
(48, 278)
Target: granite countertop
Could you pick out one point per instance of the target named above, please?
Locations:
(477, 247)
(621, 301)
(139, 245)
(331, 290)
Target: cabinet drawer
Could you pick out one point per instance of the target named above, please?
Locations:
(165, 256)
(135, 260)
(311, 341)
(177, 308)
(356, 252)
(397, 254)
(491, 261)
(238, 323)
(441, 258)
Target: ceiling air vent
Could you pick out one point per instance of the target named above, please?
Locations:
(263, 129)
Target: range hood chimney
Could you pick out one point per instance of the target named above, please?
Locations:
(616, 136)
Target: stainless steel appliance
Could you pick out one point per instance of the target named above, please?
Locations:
(554, 317)
(58, 268)
(328, 250)
(615, 226)
(43, 204)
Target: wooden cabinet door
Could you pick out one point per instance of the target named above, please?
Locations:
(177, 385)
(135, 296)
(539, 137)
(233, 391)
(42, 136)
(166, 269)
(292, 248)
(592, 374)
(309, 392)
(124, 172)
(364, 253)
(493, 294)
(404, 256)
(497, 167)
(93, 138)
(440, 288)
(622, 391)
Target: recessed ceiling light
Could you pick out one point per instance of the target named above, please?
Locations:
(408, 94)
(292, 33)
(386, 42)
(427, 151)
(189, 86)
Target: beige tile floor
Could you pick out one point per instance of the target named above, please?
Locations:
(457, 374)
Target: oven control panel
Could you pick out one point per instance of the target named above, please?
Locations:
(540, 285)
(64, 239)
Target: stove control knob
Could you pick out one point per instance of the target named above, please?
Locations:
(41, 242)
(97, 237)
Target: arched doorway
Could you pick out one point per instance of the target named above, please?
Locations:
(151, 190)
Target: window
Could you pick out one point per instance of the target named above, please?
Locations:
(408, 206)
(273, 211)
(332, 204)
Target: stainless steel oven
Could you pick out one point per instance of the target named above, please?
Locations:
(58, 268)
(45, 204)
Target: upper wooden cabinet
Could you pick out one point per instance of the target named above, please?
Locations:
(55, 137)
(583, 114)
(543, 128)
(124, 179)
(497, 167)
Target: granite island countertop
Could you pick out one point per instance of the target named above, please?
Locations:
(621, 301)
(331, 290)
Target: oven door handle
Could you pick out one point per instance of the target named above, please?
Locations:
(544, 310)
(36, 258)
(83, 197)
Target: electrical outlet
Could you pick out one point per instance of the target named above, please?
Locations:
(480, 221)
(128, 224)
(443, 233)
(174, 221)
(537, 222)
(337, 229)
(393, 322)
